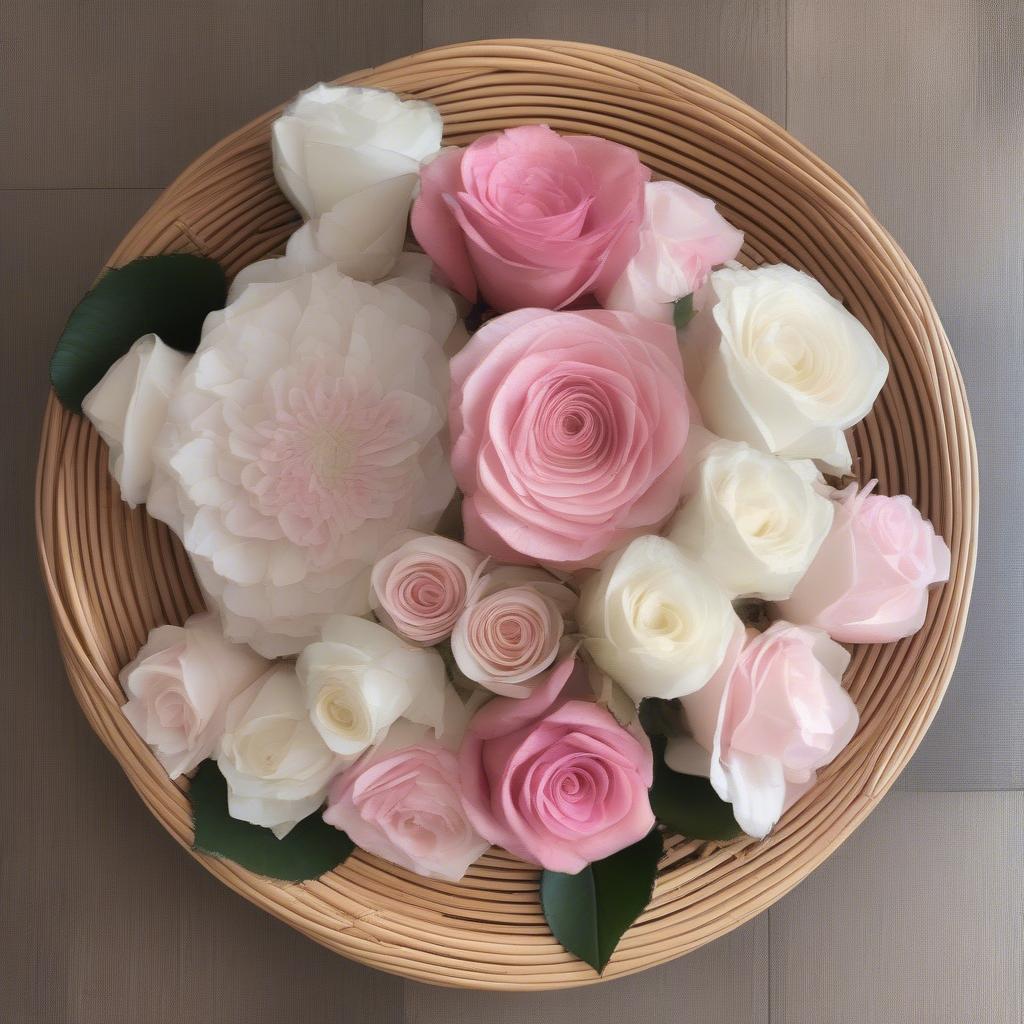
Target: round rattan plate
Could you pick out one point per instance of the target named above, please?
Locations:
(113, 573)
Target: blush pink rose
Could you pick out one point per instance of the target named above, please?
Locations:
(526, 217)
(554, 778)
(683, 237)
(869, 581)
(568, 433)
(773, 714)
(419, 589)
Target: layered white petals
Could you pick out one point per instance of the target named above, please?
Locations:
(791, 368)
(655, 621)
(180, 685)
(276, 765)
(755, 521)
(302, 437)
(128, 408)
(360, 679)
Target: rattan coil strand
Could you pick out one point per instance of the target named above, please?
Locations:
(112, 573)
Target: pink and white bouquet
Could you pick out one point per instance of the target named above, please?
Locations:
(515, 529)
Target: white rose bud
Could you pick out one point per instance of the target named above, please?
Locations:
(791, 369)
(755, 521)
(361, 678)
(654, 621)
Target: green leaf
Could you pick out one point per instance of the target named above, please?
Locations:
(588, 913)
(167, 295)
(683, 312)
(310, 849)
(688, 804)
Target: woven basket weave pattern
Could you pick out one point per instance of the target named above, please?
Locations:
(113, 573)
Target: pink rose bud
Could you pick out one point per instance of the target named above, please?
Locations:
(526, 217)
(869, 581)
(568, 433)
(419, 589)
(554, 778)
(773, 714)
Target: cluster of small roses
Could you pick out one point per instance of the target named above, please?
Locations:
(621, 487)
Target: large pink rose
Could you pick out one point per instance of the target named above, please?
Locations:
(568, 432)
(773, 714)
(529, 218)
(553, 777)
(869, 581)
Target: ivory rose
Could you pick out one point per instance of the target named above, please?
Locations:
(512, 628)
(787, 368)
(755, 522)
(554, 778)
(360, 678)
(655, 621)
(179, 686)
(419, 588)
(869, 583)
(274, 762)
(525, 217)
(402, 800)
(773, 714)
(682, 238)
(128, 407)
(568, 433)
(303, 436)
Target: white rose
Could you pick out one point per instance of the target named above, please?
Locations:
(276, 765)
(361, 678)
(128, 407)
(179, 687)
(791, 369)
(303, 436)
(755, 521)
(654, 621)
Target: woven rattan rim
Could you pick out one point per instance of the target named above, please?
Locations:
(112, 573)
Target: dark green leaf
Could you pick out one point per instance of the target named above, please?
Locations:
(660, 717)
(310, 849)
(588, 913)
(688, 804)
(683, 312)
(167, 295)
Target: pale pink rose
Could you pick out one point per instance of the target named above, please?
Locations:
(511, 629)
(568, 433)
(403, 802)
(683, 237)
(869, 582)
(554, 778)
(773, 714)
(526, 217)
(420, 588)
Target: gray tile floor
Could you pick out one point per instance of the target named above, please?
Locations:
(920, 916)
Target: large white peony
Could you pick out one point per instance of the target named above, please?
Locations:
(302, 437)
(779, 363)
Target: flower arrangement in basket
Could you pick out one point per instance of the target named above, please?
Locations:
(543, 535)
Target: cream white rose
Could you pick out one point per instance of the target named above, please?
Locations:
(128, 407)
(361, 678)
(276, 765)
(180, 685)
(791, 368)
(755, 521)
(655, 621)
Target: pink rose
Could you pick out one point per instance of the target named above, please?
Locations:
(568, 433)
(869, 581)
(403, 802)
(419, 589)
(554, 778)
(773, 714)
(529, 218)
(511, 629)
(683, 237)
